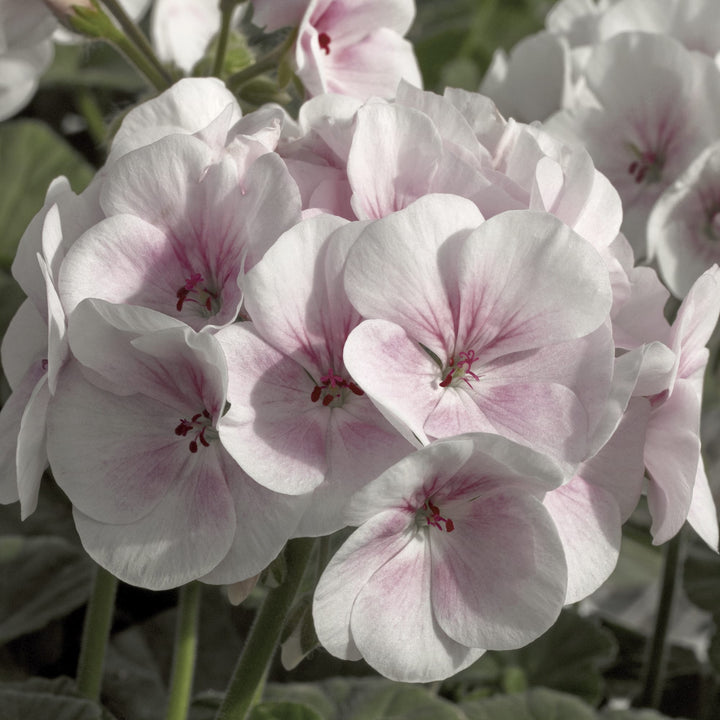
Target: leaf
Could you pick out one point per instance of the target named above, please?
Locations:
(283, 711)
(632, 715)
(366, 699)
(537, 704)
(133, 686)
(31, 155)
(40, 698)
(701, 578)
(568, 657)
(50, 579)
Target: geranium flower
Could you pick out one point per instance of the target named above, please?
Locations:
(455, 554)
(633, 114)
(181, 231)
(298, 419)
(134, 441)
(472, 326)
(356, 48)
(684, 225)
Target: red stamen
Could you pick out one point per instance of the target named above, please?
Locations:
(324, 41)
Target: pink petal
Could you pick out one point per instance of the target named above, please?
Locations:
(362, 554)
(393, 622)
(273, 428)
(512, 591)
(180, 539)
(588, 521)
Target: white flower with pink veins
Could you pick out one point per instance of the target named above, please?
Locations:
(455, 554)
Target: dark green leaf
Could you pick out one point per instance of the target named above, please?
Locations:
(31, 155)
(50, 578)
(40, 699)
(537, 704)
(632, 715)
(283, 711)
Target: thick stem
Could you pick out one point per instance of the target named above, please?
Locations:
(656, 663)
(260, 647)
(150, 66)
(186, 636)
(98, 620)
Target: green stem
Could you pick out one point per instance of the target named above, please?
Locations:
(98, 620)
(656, 663)
(186, 636)
(134, 36)
(260, 647)
(265, 63)
(90, 110)
(222, 44)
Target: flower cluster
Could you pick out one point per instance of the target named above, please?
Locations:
(412, 316)
(638, 84)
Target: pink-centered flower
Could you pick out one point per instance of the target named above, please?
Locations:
(356, 48)
(455, 554)
(496, 326)
(134, 441)
(298, 420)
(182, 228)
(646, 108)
(684, 225)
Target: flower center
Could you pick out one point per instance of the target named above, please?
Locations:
(460, 370)
(199, 428)
(429, 514)
(333, 390)
(647, 165)
(195, 290)
(324, 40)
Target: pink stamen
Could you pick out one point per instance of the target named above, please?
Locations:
(190, 292)
(462, 369)
(324, 41)
(433, 517)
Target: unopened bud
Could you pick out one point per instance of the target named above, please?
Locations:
(64, 10)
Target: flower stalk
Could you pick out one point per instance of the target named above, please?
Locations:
(98, 620)
(186, 640)
(245, 686)
(656, 663)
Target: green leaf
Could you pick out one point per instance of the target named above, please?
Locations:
(283, 711)
(50, 578)
(632, 715)
(569, 657)
(537, 704)
(31, 155)
(40, 698)
(701, 578)
(366, 699)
